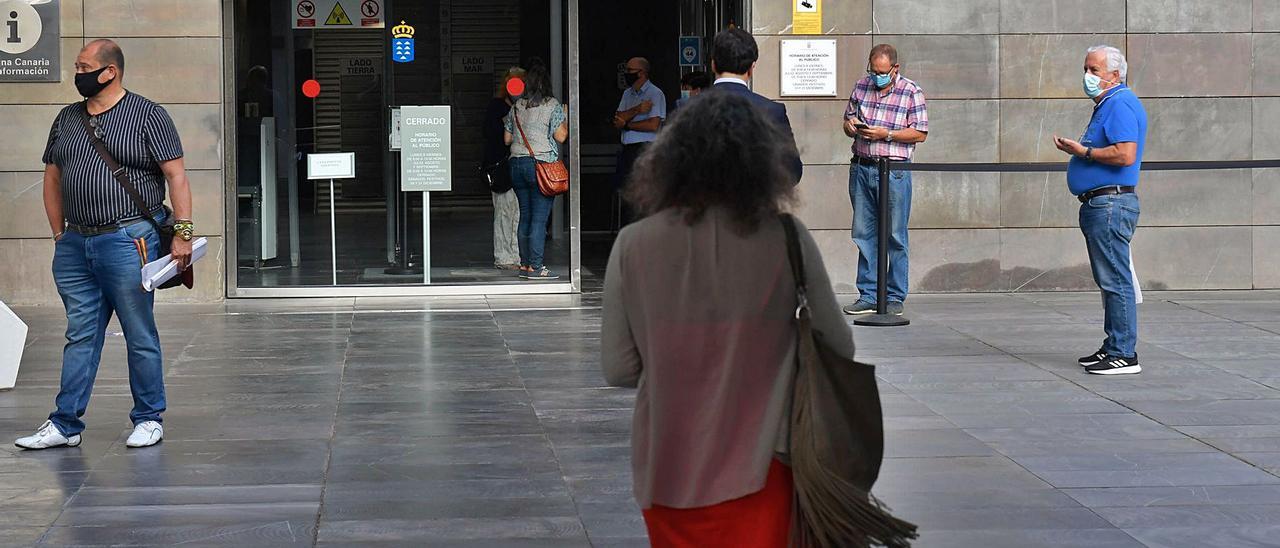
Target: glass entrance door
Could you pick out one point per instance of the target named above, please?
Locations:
(328, 76)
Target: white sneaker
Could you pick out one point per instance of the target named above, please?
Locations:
(145, 434)
(47, 436)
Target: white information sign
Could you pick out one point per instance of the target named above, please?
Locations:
(395, 128)
(339, 14)
(808, 68)
(426, 153)
(335, 165)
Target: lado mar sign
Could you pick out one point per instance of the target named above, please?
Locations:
(30, 41)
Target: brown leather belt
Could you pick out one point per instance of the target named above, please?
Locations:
(1105, 191)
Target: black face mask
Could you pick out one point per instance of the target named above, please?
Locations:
(632, 78)
(88, 85)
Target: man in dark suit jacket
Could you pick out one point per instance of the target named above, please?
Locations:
(734, 54)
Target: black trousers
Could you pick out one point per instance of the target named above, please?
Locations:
(626, 163)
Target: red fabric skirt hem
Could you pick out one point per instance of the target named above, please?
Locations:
(761, 519)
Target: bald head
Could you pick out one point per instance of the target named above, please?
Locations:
(638, 63)
(105, 52)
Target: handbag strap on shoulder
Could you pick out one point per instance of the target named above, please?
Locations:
(795, 256)
(118, 172)
(516, 114)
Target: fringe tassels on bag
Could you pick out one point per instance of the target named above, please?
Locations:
(837, 440)
(830, 511)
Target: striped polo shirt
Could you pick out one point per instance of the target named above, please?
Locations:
(138, 133)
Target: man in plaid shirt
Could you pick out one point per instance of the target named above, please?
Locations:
(886, 117)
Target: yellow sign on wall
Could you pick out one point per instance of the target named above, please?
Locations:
(806, 16)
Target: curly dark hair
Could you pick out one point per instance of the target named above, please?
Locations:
(719, 150)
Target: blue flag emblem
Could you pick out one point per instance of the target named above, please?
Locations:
(402, 50)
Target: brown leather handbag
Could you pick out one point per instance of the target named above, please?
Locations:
(837, 439)
(553, 177)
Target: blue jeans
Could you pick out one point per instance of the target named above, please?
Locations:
(1108, 223)
(535, 209)
(864, 193)
(98, 276)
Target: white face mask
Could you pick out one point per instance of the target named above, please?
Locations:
(1093, 85)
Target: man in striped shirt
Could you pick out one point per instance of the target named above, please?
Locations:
(886, 117)
(102, 239)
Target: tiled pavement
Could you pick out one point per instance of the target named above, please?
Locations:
(483, 422)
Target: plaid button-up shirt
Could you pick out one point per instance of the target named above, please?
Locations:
(902, 106)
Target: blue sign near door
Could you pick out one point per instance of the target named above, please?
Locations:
(402, 43)
(690, 51)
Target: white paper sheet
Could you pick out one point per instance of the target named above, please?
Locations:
(159, 271)
(13, 340)
(1133, 274)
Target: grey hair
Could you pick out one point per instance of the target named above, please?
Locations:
(1115, 60)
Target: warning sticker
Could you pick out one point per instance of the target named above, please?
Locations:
(339, 14)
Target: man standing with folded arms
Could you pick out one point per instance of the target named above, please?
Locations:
(886, 117)
(1103, 174)
(102, 239)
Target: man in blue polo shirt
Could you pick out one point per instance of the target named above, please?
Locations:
(640, 114)
(1103, 174)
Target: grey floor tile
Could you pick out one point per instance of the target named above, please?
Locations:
(469, 422)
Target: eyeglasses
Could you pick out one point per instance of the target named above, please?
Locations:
(874, 73)
(97, 127)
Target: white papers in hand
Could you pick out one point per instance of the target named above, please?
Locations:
(13, 340)
(159, 271)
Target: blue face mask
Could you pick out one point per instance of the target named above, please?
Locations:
(1093, 85)
(883, 80)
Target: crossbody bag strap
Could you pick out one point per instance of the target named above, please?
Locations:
(118, 172)
(515, 113)
(795, 256)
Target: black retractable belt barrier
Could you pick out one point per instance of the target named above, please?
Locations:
(882, 318)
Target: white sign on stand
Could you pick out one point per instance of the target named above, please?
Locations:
(426, 154)
(13, 340)
(808, 68)
(337, 165)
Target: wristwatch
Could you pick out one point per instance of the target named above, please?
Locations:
(888, 136)
(184, 229)
(1088, 153)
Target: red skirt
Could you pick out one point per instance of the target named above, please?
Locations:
(761, 519)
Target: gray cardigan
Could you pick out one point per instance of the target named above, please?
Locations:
(700, 319)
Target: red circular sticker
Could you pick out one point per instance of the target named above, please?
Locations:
(311, 88)
(515, 87)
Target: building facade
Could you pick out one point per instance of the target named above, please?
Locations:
(1002, 77)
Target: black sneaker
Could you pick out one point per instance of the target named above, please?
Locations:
(1094, 358)
(1115, 366)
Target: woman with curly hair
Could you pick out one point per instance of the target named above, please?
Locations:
(698, 313)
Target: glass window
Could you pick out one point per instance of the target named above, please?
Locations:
(293, 232)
